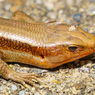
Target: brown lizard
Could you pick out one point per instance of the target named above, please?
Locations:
(45, 45)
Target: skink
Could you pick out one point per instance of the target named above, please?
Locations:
(45, 45)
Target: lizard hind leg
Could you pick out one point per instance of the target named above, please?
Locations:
(21, 16)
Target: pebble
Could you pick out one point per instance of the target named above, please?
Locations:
(85, 29)
(29, 2)
(52, 15)
(49, 5)
(47, 94)
(56, 81)
(39, 1)
(37, 93)
(22, 92)
(77, 17)
(70, 2)
(14, 87)
(74, 91)
(94, 66)
(1, 88)
(84, 69)
(8, 7)
(92, 75)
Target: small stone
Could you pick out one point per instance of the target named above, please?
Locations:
(93, 12)
(85, 29)
(47, 94)
(22, 92)
(81, 9)
(37, 93)
(84, 69)
(91, 31)
(8, 7)
(79, 86)
(72, 28)
(33, 89)
(74, 91)
(39, 1)
(92, 75)
(49, 5)
(77, 17)
(1, 88)
(78, 2)
(52, 15)
(70, 2)
(94, 66)
(56, 81)
(14, 87)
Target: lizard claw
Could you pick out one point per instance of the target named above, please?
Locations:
(23, 78)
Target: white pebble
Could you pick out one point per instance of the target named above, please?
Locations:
(14, 87)
(8, 6)
(22, 92)
(37, 93)
(1, 88)
(70, 2)
(39, 1)
(49, 5)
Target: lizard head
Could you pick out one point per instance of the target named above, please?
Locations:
(72, 43)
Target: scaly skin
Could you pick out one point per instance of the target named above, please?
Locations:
(45, 45)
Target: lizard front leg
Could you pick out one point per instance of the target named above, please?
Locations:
(8, 73)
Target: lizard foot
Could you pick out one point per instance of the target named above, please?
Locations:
(24, 78)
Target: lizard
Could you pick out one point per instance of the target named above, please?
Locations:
(42, 44)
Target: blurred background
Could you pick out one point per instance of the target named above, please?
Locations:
(75, 78)
(78, 12)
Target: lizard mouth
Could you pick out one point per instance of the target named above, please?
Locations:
(85, 53)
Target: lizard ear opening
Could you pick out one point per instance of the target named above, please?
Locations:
(42, 56)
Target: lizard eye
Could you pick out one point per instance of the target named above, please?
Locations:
(72, 49)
